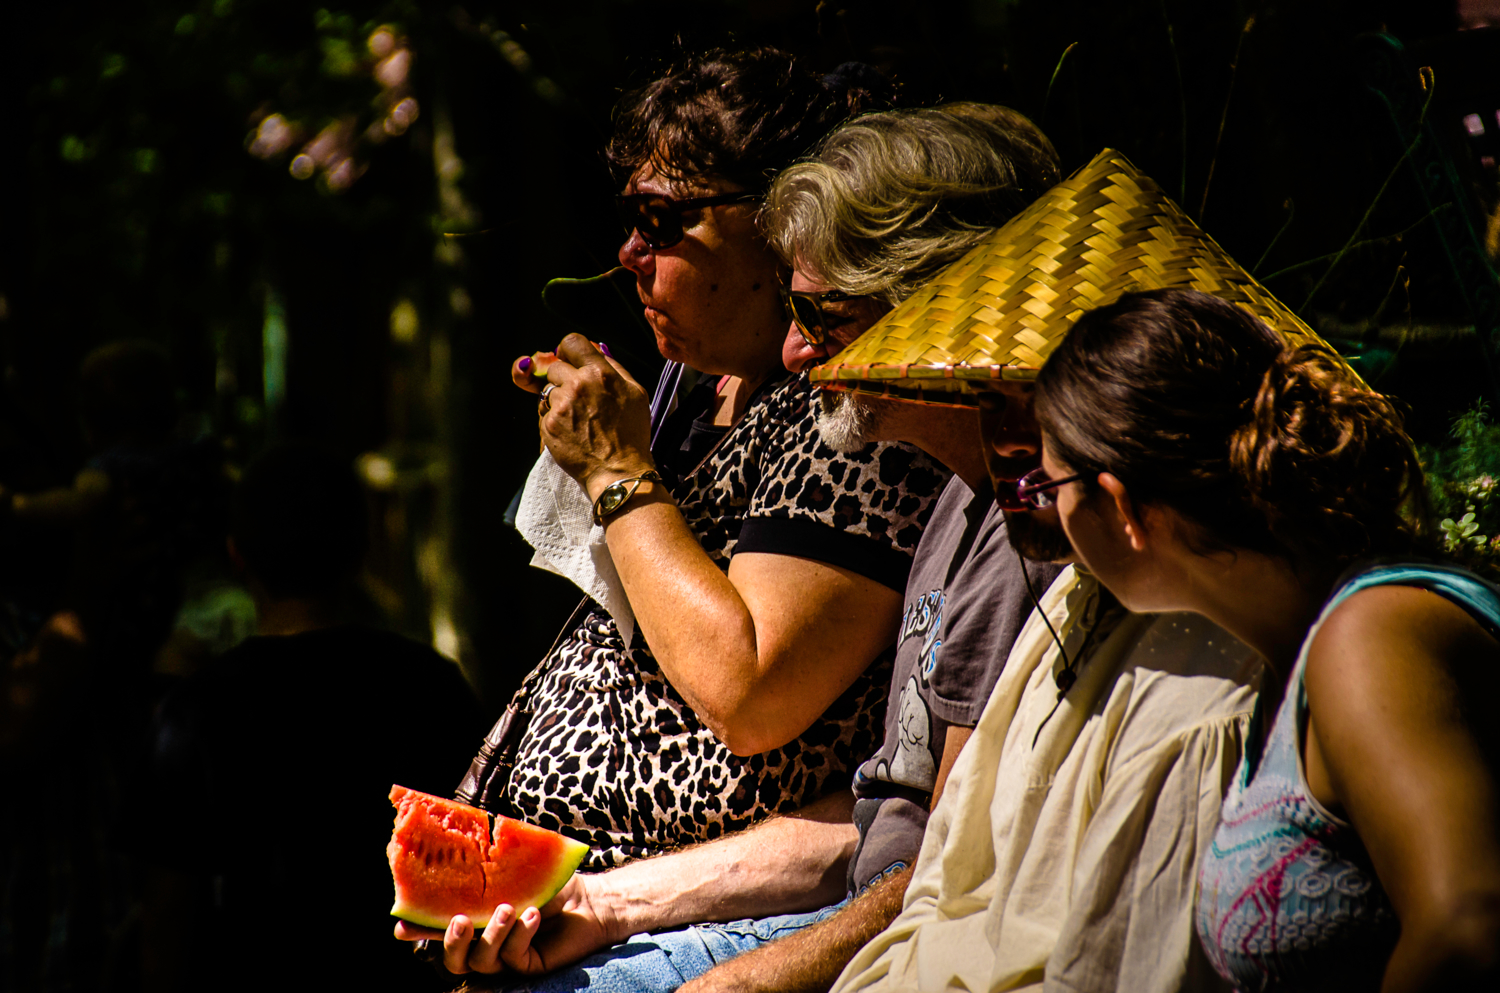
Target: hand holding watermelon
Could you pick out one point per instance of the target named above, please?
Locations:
(597, 422)
(529, 372)
(446, 861)
(487, 951)
(565, 931)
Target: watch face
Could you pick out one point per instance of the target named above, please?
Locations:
(610, 500)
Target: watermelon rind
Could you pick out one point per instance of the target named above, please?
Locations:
(566, 859)
(448, 858)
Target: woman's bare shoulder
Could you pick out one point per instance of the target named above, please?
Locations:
(1396, 640)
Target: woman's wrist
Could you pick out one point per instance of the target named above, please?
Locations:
(605, 476)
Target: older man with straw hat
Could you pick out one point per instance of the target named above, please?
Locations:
(1062, 855)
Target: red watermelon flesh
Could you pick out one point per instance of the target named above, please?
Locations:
(541, 362)
(446, 860)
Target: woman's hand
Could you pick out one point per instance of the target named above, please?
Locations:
(596, 420)
(529, 372)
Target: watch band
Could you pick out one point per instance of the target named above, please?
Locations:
(617, 494)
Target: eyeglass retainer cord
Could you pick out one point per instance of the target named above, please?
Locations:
(1069, 674)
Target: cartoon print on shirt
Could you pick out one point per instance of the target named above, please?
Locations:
(912, 764)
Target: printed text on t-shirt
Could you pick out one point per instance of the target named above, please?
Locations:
(924, 616)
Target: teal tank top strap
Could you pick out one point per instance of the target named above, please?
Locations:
(1479, 598)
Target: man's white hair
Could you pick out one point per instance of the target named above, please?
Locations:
(891, 199)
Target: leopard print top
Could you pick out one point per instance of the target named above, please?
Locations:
(614, 757)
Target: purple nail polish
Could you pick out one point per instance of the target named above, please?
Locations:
(525, 364)
(605, 349)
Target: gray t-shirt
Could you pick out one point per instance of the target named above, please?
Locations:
(966, 601)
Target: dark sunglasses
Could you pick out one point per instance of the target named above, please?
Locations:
(807, 311)
(659, 218)
(1034, 488)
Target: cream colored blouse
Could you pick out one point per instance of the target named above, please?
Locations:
(1062, 854)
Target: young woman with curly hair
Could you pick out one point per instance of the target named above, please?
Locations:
(1198, 463)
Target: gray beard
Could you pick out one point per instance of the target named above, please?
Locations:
(847, 422)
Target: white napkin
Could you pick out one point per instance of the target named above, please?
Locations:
(556, 518)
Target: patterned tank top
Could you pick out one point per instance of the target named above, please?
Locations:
(1287, 896)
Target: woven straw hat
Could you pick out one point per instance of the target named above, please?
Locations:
(998, 312)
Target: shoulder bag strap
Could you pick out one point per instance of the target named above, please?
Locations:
(489, 774)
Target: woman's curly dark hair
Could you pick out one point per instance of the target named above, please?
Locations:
(1195, 404)
(739, 115)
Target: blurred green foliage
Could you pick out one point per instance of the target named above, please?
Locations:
(134, 207)
(1462, 478)
(145, 213)
(138, 116)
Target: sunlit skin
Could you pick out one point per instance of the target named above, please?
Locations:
(844, 320)
(735, 646)
(945, 432)
(711, 298)
(1390, 743)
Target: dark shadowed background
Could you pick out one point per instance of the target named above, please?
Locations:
(339, 219)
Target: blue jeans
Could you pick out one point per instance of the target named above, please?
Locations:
(659, 963)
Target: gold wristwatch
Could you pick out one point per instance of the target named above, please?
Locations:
(617, 494)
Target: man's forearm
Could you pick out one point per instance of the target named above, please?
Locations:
(783, 865)
(810, 960)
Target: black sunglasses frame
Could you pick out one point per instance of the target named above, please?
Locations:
(665, 214)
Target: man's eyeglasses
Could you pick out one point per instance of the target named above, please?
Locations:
(807, 311)
(1035, 490)
(659, 217)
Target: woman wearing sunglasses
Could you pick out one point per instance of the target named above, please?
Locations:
(764, 570)
(1199, 464)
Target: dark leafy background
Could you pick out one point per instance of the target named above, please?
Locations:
(141, 195)
(133, 209)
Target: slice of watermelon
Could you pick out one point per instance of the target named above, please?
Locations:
(541, 362)
(447, 860)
